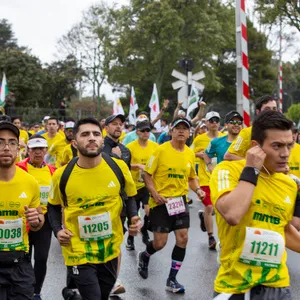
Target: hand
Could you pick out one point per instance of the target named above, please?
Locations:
(159, 199)
(180, 102)
(202, 104)
(141, 167)
(201, 154)
(64, 237)
(117, 151)
(32, 216)
(135, 227)
(255, 157)
(201, 194)
(166, 103)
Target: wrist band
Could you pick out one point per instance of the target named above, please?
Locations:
(250, 174)
(196, 190)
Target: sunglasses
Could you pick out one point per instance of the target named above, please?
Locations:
(145, 130)
(235, 122)
(214, 120)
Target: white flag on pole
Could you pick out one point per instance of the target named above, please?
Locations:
(133, 107)
(118, 108)
(3, 90)
(154, 106)
(193, 102)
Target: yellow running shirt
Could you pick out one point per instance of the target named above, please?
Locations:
(294, 160)
(51, 141)
(22, 190)
(140, 155)
(200, 143)
(242, 143)
(43, 177)
(93, 212)
(56, 150)
(271, 209)
(171, 170)
(23, 136)
(67, 155)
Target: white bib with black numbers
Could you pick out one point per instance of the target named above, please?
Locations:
(175, 206)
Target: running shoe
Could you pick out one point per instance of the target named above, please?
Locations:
(117, 289)
(174, 286)
(37, 297)
(145, 238)
(130, 243)
(212, 243)
(202, 223)
(143, 265)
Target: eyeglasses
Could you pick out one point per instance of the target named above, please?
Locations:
(214, 120)
(145, 130)
(235, 122)
(12, 145)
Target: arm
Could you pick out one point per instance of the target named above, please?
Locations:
(35, 218)
(208, 163)
(195, 187)
(200, 113)
(242, 194)
(292, 238)
(175, 115)
(230, 156)
(165, 105)
(55, 217)
(150, 186)
(137, 166)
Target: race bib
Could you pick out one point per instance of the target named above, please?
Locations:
(175, 206)
(11, 233)
(44, 194)
(94, 228)
(262, 248)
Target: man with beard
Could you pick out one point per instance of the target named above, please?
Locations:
(57, 149)
(90, 232)
(40, 240)
(20, 198)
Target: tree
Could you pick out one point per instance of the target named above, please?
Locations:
(7, 39)
(87, 41)
(294, 113)
(287, 10)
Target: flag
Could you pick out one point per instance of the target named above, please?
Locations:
(3, 91)
(154, 106)
(118, 108)
(133, 107)
(192, 103)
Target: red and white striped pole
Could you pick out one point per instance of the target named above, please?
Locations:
(280, 85)
(243, 97)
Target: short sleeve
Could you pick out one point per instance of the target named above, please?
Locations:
(55, 196)
(35, 201)
(241, 144)
(211, 149)
(152, 162)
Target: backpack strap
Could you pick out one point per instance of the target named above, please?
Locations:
(118, 172)
(65, 177)
(74, 151)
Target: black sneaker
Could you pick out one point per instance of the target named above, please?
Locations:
(130, 243)
(174, 286)
(212, 243)
(202, 223)
(142, 266)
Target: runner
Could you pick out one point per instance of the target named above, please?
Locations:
(168, 174)
(255, 203)
(199, 145)
(91, 230)
(20, 198)
(141, 150)
(39, 240)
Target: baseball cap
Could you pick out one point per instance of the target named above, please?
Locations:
(233, 114)
(69, 124)
(212, 114)
(202, 125)
(11, 127)
(142, 118)
(143, 125)
(112, 117)
(179, 121)
(37, 143)
(46, 118)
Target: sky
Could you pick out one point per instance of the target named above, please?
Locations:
(38, 24)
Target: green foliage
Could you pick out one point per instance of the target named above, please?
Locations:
(294, 113)
(7, 39)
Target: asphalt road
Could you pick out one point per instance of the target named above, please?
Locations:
(196, 274)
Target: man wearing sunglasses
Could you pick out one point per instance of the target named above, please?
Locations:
(141, 150)
(199, 145)
(218, 147)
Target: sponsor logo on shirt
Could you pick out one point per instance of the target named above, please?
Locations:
(23, 195)
(111, 184)
(266, 218)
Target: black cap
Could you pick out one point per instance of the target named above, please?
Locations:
(143, 125)
(179, 121)
(112, 117)
(233, 114)
(4, 125)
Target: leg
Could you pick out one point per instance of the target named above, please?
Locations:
(86, 279)
(41, 241)
(118, 287)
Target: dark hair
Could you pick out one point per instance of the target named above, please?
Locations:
(5, 118)
(16, 118)
(53, 118)
(36, 136)
(259, 102)
(269, 120)
(85, 121)
(165, 120)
